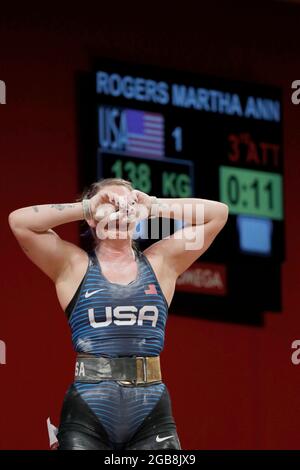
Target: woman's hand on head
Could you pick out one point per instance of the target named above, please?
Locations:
(142, 198)
(102, 204)
(134, 207)
(106, 201)
(104, 196)
(143, 204)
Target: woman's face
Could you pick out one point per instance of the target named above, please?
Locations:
(119, 220)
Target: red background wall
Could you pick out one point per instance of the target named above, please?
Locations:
(232, 386)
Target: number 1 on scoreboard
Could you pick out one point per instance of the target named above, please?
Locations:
(177, 134)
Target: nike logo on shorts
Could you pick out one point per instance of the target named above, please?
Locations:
(160, 439)
(89, 294)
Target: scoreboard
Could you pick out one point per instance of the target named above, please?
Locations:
(177, 134)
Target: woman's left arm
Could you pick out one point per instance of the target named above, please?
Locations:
(203, 220)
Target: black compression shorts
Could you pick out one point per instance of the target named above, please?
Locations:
(81, 429)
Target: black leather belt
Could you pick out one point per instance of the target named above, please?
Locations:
(135, 370)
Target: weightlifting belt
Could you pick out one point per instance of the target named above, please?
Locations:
(135, 370)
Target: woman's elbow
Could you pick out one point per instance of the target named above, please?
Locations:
(223, 212)
(12, 219)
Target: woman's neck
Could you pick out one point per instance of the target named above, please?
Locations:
(109, 250)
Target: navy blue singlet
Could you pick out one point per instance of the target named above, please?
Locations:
(110, 319)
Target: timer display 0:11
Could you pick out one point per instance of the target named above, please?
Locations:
(250, 192)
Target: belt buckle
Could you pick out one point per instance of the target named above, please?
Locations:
(144, 369)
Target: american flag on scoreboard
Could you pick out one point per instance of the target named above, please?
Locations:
(145, 133)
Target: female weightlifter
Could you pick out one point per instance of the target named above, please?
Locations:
(116, 298)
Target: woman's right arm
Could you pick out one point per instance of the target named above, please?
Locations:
(32, 227)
